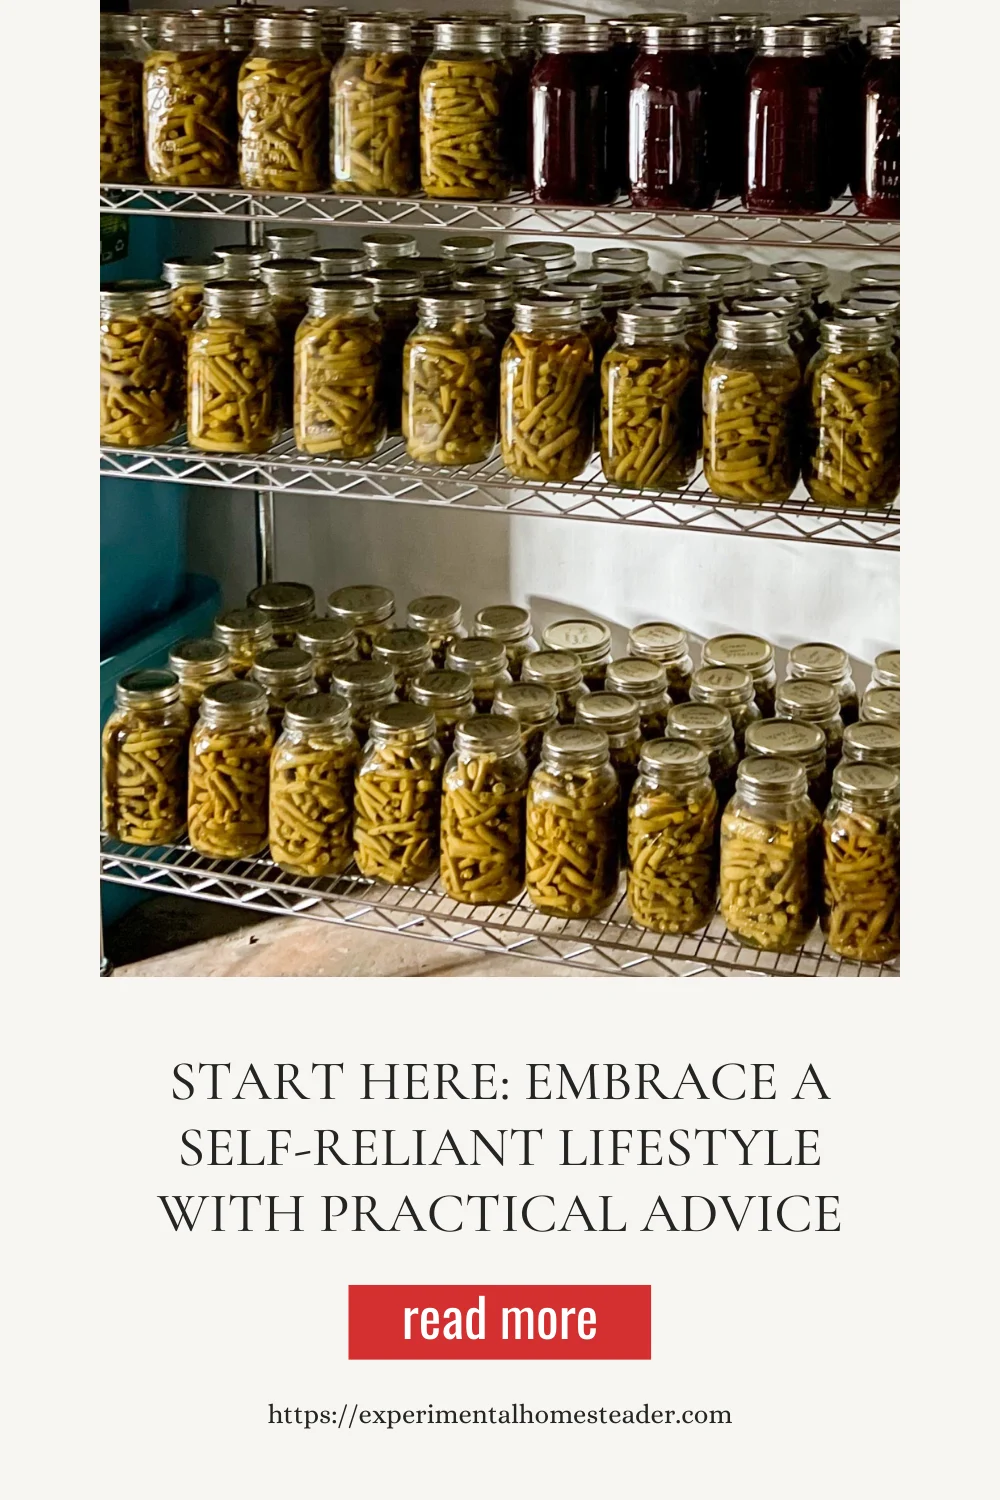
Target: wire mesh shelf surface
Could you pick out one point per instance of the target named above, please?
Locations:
(609, 945)
(727, 223)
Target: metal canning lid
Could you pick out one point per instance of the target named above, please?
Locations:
(383, 245)
(548, 315)
(447, 306)
(881, 706)
(468, 249)
(872, 742)
(293, 240)
(231, 295)
(587, 295)
(388, 282)
(434, 612)
(134, 296)
(338, 294)
(676, 36)
(779, 286)
(147, 689)
(772, 776)
(283, 602)
(866, 778)
(477, 656)
(233, 624)
(402, 646)
(820, 660)
(191, 270)
(341, 262)
(521, 270)
(718, 263)
(197, 27)
(677, 757)
(750, 651)
(488, 734)
(856, 333)
(476, 36)
(615, 713)
(233, 699)
(876, 275)
(658, 640)
(805, 696)
(574, 36)
(394, 36)
(788, 38)
(322, 636)
(120, 28)
(288, 275)
(875, 299)
(633, 261)
(528, 702)
(786, 307)
(808, 273)
(576, 742)
(726, 687)
(786, 737)
(363, 679)
(197, 653)
(731, 35)
(402, 718)
(495, 291)
(703, 723)
(518, 36)
(694, 284)
(362, 604)
(442, 688)
(886, 673)
(294, 26)
(589, 640)
(617, 288)
(641, 677)
(282, 666)
(744, 17)
(753, 328)
(435, 272)
(503, 622)
(884, 40)
(557, 669)
(240, 260)
(652, 322)
(553, 255)
(316, 711)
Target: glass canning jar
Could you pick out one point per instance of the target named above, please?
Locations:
(730, 688)
(441, 617)
(789, 290)
(284, 107)
(650, 402)
(790, 739)
(711, 729)
(395, 293)
(799, 341)
(287, 605)
(811, 702)
(880, 705)
(288, 283)
(436, 274)
(228, 766)
(671, 838)
(142, 381)
(234, 351)
(240, 262)
(449, 383)
(511, 625)
(860, 903)
(670, 159)
(562, 672)
(851, 447)
(848, 55)
(547, 391)
(468, 252)
(623, 33)
(593, 319)
(708, 292)
(311, 800)
(186, 276)
(811, 276)
(451, 696)
(521, 272)
(330, 643)
(657, 640)
(885, 672)
(534, 707)
(189, 101)
(374, 110)
(197, 664)
(463, 95)
(339, 264)
(627, 260)
(406, 651)
(616, 289)
(337, 372)
(333, 34)
(754, 654)
(382, 246)
(735, 271)
(367, 686)
(292, 242)
(617, 716)
(486, 663)
(590, 643)
(519, 53)
(284, 672)
(367, 608)
(790, 116)
(872, 744)
(876, 275)
(497, 295)
(397, 796)
(482, 812)
(645, 682)
(570, 140)
(572, 835)
(880, 302)
(121, 98)
(818, 661)
(556, 258)
(237, 27)
(144, 747)
(730, 49)
(768, 862)
(750, 399)
(244, 633)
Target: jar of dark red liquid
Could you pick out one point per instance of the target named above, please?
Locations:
(730, 49)
(670, 163)
(848, 56)
(789, 116)
(570, 114)
(877, 193)
(519, 53)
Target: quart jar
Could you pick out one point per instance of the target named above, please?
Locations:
(121, 98)
(848, 55)
(572, 842)
(397, 796)
(617, 716)
(368, 687)
(672, 818)
(244, 633)
(367, 608)
(186, 276)
(787, 307)
(284, 107)
(340, 264)
(616, 289)
(816, 703)
(228, 765)
(818, 661)
(482, 812)
(880, 705)
(645, 682)
(468, 253)
(873, 302)
(650, 402)
(733, 270)
(754, 654)
(623, 34)
(570, 145)
(234, 353)
(790, 739)
(711, 730)
(860, 904)
(730, 688)
(237, 28)
(449, 383)
(330, 643)
(395, 292)
(288, 283)
(240, 262)
(588, 640)
(519, 53)
(406, 651)
(657, 640)
(463, 95)
(284, 673)
(533, 706)
(197, 664)
(441, 617)
(547, 391)
(373, 110)
(383, 246)
(671, 164)
(851, 449)
(561, 671)
(790, 115)
(450, 695)
(707, 291)
(511, 625)
(876, 275)
(486, 663)
(333, 35)
(189, 102)
(885, 672)
(768, 863)
(142, 383)
(144, 747)
(872, 744)
(311, 801)
(730, 48)
(337, 397)
(287, 605)
(593, 319)
(750, 398)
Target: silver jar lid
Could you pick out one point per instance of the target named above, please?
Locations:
(148, 688)
(678, 36)
(586, 294)
(752, 328)
(334, 294)
(886, 669)
(201, 28)
(341, 262)
(675, 760)
(322, 637)
(868, 779)
(731, 36)
(447, 308)
(487, 734)
(362, 603)
(197, 652)
(749, 651)
(575, 743)
(402, 647)
(282, 666)
(317, 711)
(518, 36)
(455, 35)
(442, 687)
(284, 276)
(495, 291)
(384, 245)
(575, 36)
(436, 274)
(468, 249)
(615, 713)
(642, 322)
(883, 41)
(291, 241)
(559, 670)
(804, 698)
(734, 269)
(554, 255)
(589, 640)
(726, 687)
(876, 274)
(520, 270)
(617, 288)
(240, 262)
(786, 737)
(630, 259)
(819, 660)
(772, 776)
(234, 625)
(363, 681)
(802, 40)
(856, 333)
(379, 33)
(640, 677)
(706, 289)
(477, 656)
(807, 273)
(116, 27)
(402, 718)
(872, 743)
(503, 622)
(392, 283)
(434, 612)
(701, 723)
(528, 702)
(548, 315)
(283, 603)
(134, 296)
(231, 295)
(191, 270)
(293, 26)
(230, 702)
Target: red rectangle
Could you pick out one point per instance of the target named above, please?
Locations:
(499, 1322)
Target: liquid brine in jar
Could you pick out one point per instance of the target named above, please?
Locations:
(572, 845)
(547, 392)
(228, 768)
(311, 787)
(189, 102)
(284, 106)
(337, 378)
(141, 365)
(121, 98)
(288, 283)
(650, 402)
(482, 812)
(449, 383)
(395, 291)
(749, 410)
(397, 796)
(374, 109)
(463, 94)
(233, 360)
(144, 747)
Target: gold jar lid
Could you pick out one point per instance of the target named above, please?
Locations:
(805, 698)
(575, 744)
(641, 677)
(528, 702)
(363, 679)
(282, 667)
(726, 687)
(886, 673)
(196, 653)
(675, 760)
(658, 640)
(590, 640)
(410, 719)
(820, 660)
(790, 737)
(701, 723)
(772, 776)
(324, 636)
(434, 612)
(362, 604)
(487, 734)
(317, 711)
(402, 647)
(147, 688)
(615, 713)
(503, 622)
(233, 626)
(557, 669)
(881, 706)
(442, 687)
(477, 656)
(872, 742)
(879, 783)
(749, 651)
(283, 603)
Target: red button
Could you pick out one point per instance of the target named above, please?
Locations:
(499, 1322)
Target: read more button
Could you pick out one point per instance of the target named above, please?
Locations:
(499, 1322)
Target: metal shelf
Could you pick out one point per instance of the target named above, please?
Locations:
(392, 475)
(726, 224)
(609, 945)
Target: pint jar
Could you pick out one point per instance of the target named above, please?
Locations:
(311, 802)
(617, 716)
(197, 664)
(244, 633)
(383, 246)
(451, 696)
(397, 796)
(186, 276)
(144, 749)
(672, 818)
(230, 754)
(287, 605)
(482, 812)
(571, 867)
(768, 861)
(367, 608)
(730, 49)
(293, 242)
(730, 688)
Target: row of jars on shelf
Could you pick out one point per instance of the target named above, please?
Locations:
(491, 710)
(788, 116)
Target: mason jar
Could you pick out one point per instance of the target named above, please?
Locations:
(670, 860)
(791, 739)
(671, 161)
(451, 696)
(563, 673)
(851, 446)
(284, 107)
(311, 801)
(330, 643)
(486, 663)
(789, 126)
(441, 617)
(482, 812)
(880, 705)
(754, 654)
(497, 295)
(519, 54)
(237, 28)
(730, 688)
(588, 640)
(368, 686)
(373, 110)
(449, 383)
(593, 318)
(287, 605)
(860, 903)
(367, 608)
(234, 349)
(339, 264)
(886, 670)
(813, 703)
(284, 673)
(768, 860)
(468, 252)
(121, 98)
(556, 257)
(293, 242)
(397, 797)
(628, 260)
(657, 640)
(571, 138)
(395, 292)
(711, 730)
(750, 406)
(521, 272)
(547, 392)
(818, 661)
(240, 262)
(382, 246)
(186, 276)
(197, 664)
(872, 744)
(707, 290)
(811, 276)
(337, 373)
(876, 275)
(229, 759)
(785, 306)
(873, 302)
(617, 716)
(406, 651)
(572, 838)
(144, 748)
(877, 187)
(650, 402)
(645, 682)
(189, 102)
(510, 624)
(617, 290)
(735, 271)
(534, 707)
(288, 283)
(463, 95)
(142, 365)
(436, 274)
(730, 49)
(244, 633)
(774, 292)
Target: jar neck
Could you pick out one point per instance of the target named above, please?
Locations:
(217, 716)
